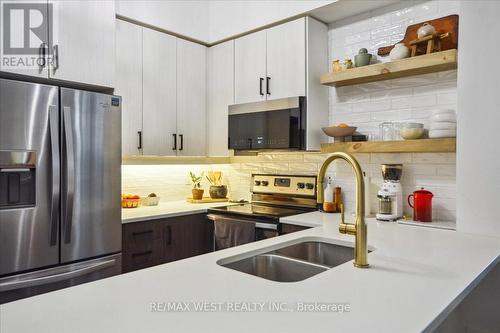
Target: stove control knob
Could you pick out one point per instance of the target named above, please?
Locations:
(309, 186)
(265, 183)
(257, 183)
(300, 185)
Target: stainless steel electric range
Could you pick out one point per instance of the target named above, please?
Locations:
(273, 197)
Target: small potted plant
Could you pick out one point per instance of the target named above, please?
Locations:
(197, 191)
(216, 190)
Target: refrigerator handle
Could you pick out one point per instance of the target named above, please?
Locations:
(56, 182)
(13, 284)
(70, 174)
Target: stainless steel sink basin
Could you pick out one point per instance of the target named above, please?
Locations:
(295, 262)
(277, 268)
(327, 254)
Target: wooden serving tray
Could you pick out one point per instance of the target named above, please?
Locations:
(442, 25)
(206, 200)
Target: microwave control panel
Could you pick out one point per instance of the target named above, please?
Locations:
(290, 185)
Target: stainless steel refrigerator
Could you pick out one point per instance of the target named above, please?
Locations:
(60, 183)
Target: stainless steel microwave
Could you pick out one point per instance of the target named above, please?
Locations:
(276, 124)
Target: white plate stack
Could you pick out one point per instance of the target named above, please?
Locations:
(443, 124)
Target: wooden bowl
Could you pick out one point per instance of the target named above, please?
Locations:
(339, 132)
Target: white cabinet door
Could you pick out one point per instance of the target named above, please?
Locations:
(286, 60)
(159, 93)
(23, 55)
(220, 71)
(83, 41)
(129, 84)
(191, 98)
(250, 68)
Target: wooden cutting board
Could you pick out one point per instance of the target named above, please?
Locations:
(206, 200)
(442, 25)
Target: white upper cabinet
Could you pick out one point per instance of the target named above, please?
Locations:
(250, 68)
(129, 84)
(271, 64)
(83, 39)
(286, 60)
(191, 99)
(159, 93)
(220, 72)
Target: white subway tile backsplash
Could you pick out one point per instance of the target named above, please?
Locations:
(447, 98)
(436, 158)
(391, 115)
(386, 158)
(371, 106)
(413, 81)
(391, 93)
(388, 30)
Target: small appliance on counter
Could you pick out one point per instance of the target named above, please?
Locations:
(390, 195)
(422, 205)
(273, 197)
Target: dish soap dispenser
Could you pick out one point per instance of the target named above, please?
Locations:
(328, 204)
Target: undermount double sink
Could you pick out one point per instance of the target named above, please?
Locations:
(295, 262)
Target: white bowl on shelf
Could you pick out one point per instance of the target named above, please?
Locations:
(443, 117)
(411, 125)
(411, 133)
(446, 133)
(442, 125)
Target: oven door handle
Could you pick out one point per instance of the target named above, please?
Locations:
(260, 225)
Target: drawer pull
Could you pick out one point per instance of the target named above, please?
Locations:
(142, 253)
(138, 233)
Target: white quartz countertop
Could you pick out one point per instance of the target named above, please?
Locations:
(417, 276)
(166, 209)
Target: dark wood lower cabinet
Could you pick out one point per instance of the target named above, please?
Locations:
(155, 242)
(289, 228)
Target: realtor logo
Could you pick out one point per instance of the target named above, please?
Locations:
(26, 28)
(26, 38)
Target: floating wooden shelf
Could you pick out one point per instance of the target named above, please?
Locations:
(423, 64)
(407, 146)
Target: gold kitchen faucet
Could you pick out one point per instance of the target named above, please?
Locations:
(358, 229)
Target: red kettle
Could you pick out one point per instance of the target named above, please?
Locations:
(422, 205)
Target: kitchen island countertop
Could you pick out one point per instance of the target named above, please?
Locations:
(417, 276)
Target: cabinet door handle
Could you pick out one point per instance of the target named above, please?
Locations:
(55, 57)
(261, 80)
(168, 235)
(42, 62)
(182, 141)
(137, 233)
(175, 141)
(139, 134)
(268, 90)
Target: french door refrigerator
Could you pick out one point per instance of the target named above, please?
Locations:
(60, 180)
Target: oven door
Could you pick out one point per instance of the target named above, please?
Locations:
(277, 124)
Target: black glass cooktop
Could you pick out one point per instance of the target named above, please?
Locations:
(259, 211)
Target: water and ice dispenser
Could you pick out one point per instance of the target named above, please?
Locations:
(17, 179)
